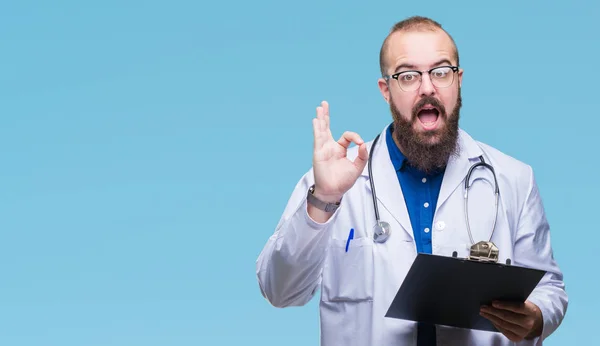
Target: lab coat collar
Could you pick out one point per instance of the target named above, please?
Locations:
(388, 190)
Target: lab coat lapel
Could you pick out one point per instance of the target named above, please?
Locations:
(387, 186)
(458, 166)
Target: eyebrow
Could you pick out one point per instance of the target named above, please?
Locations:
(412, 67)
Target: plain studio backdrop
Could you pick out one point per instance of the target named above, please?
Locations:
(148, 148)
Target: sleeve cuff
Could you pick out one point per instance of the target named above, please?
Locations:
(315, 225)
(547, 323)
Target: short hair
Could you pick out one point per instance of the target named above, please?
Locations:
(414, 23)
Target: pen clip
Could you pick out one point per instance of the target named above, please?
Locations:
(350, 237)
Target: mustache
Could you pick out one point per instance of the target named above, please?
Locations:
(431, 101)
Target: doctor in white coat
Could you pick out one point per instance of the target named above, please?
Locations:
(358, 280)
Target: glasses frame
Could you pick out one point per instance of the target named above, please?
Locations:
(397, 75)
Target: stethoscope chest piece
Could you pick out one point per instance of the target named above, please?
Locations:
(381, 232)
(382, 229)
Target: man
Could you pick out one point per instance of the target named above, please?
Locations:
(325, 238)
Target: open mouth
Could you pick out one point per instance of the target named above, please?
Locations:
(428, 116)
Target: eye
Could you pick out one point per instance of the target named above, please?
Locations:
(408, 76)
(440, 72)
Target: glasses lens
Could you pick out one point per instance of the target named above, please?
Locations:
(409, 80)
(442, 77)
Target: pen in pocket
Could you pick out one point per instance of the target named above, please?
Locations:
(350, 237)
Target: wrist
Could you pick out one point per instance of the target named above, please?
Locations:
(327, 203)
(538, 326)
(327, 197)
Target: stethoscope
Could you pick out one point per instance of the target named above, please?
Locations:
(382, 229)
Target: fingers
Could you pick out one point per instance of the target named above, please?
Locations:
(327, 129)
(325, 106)
(515, 307)
(322, 134)
(510, 323)
(321, 131)
(361, 159)
(349, 137)
(509, 334)
(362, 152)
(516, 326)
(505, 315)
(515, 320)
(317, 138)
(318, 126)
(512, 331)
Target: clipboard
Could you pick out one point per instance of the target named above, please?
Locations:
(450, 291)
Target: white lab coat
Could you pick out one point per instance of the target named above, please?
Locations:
(357, 287)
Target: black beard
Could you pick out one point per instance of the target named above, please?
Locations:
(415, 146)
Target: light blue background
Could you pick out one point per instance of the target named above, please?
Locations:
(147, 150)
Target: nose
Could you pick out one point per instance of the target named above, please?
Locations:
(427, 88)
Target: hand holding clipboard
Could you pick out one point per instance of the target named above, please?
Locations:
(451, 291)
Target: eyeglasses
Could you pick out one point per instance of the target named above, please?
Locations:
(441, 77)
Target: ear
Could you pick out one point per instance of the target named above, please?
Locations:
(460, 76)
(383, 88)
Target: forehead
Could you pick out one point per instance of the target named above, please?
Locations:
(419, 49)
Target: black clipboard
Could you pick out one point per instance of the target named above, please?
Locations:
(450, 291)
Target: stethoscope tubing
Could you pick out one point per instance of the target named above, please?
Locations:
(382, 228)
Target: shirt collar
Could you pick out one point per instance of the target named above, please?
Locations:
(398, 159)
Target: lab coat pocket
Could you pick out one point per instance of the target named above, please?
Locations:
(348, 275)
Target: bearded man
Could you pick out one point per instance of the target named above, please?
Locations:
(412, 176)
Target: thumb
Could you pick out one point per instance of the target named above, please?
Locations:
(361, 159)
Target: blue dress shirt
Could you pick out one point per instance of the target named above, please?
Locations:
(421, 193)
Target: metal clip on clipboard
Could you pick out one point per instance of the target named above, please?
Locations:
(483, 251)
